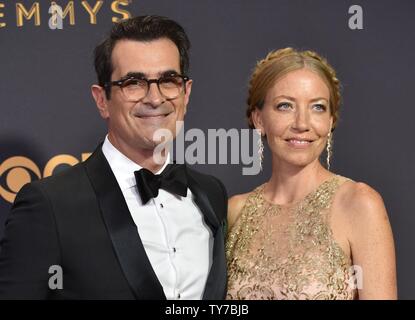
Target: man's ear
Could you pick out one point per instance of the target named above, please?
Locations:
(256, 117)
(187, 94)
(100, 98)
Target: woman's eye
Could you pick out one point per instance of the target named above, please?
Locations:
(319, 107)
(284, 106)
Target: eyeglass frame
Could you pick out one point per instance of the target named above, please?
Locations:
(120, 82)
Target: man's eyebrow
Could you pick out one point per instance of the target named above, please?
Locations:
(140, 75)
(134, 75)
(168, 73)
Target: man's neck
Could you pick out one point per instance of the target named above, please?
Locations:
(143, 157)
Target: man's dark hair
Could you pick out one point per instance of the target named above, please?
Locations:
(142, 28)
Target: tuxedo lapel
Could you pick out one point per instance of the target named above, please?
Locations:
(216, 282)
(215, 288)
(122, 229)
(202, 201)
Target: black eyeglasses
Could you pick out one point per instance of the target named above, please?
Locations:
(134, 89)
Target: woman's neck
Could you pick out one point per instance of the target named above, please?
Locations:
(289, 184)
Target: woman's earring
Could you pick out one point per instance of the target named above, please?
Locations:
(329, 148)
(260, 150)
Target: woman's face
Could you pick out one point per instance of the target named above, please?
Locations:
(296, 117)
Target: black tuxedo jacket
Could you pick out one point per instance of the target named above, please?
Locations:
(79, 220)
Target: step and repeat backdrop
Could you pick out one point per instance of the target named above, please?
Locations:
(48, 119)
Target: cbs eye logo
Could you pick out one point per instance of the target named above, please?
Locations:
(15, 172)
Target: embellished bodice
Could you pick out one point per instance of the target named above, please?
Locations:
(288, 251)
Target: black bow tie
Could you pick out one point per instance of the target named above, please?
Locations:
(172, 179)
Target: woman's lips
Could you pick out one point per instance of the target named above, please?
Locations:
(299, 143)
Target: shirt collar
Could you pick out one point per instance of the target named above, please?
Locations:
(123, 167)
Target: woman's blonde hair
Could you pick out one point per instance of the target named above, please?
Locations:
(280, 62)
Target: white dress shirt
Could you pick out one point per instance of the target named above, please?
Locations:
(175, 237)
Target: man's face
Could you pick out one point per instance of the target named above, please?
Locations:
(131, 125)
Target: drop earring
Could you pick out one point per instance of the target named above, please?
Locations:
(260, 150)
(329, 148)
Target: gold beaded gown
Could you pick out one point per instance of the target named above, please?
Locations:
(288, 251)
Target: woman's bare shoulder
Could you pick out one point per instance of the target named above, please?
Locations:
(370, 237)
(359, 197)
(361, 204)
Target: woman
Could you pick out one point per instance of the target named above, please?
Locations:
(307, 233)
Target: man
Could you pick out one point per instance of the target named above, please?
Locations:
(120, 225)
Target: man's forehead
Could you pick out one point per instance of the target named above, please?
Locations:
(151, 58)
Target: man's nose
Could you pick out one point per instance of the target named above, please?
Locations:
(153, 96)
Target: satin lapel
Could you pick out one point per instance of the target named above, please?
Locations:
(202, 201)
(122, 230)
(215, 288)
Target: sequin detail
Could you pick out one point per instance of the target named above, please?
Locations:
(288, 252)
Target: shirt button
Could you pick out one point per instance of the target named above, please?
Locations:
(178, 296)
(161, 205)
(174, 250)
